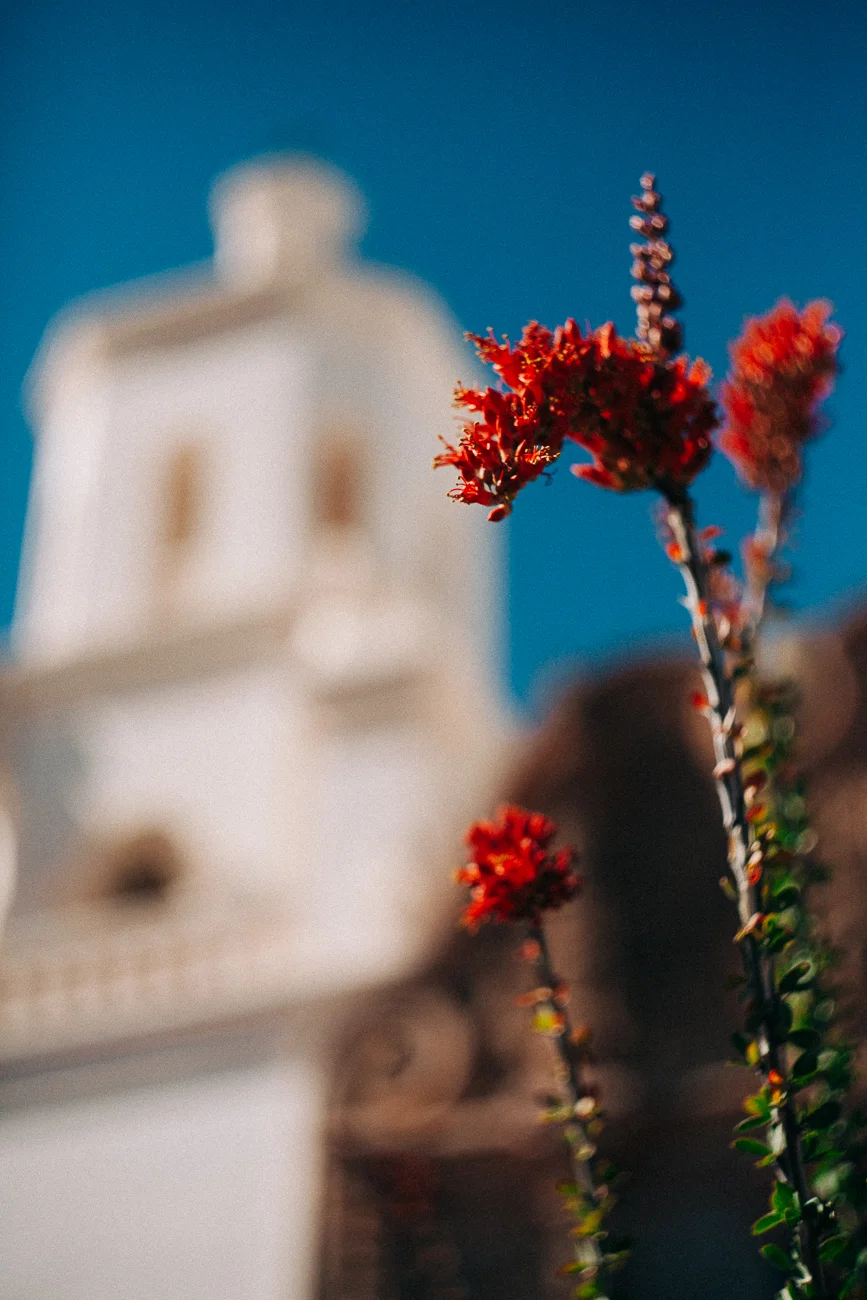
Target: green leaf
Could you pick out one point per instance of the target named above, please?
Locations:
(837, 1069)
(823, 1116)
(758, 1104)
(783, 1198)
(807, 1039)
(810, 1146)
(765, 1223)
(782, 1021)
(776, 935)
(618, 1246)
(777, 1256)
(751, 1122)
(793, 979)
(574, 1266)
(804, 1068)
(833, 1247)
(752, 1147)
(615, 1258)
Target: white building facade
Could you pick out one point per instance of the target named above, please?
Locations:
(252, 707)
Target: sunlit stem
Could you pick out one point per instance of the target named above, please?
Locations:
(769, 537)
(730, 788)
(582, 1146)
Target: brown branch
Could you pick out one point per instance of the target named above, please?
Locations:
(582, 1147)
(728, 776)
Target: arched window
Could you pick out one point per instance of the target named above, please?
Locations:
(142, 869)
(182, 499)
(339, 486)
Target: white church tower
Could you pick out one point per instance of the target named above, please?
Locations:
(252, 707)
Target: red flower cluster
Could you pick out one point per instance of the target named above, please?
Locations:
(512, 875)
(498, 454)
(783, 366)
(645, 420)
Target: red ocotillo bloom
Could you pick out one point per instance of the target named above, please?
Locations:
(783, 366)
(498, 454)
(645, 419)
(512, 873)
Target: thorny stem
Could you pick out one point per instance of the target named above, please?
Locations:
(580, 1142)
(768, 537)
(655, 294)
(730, 788)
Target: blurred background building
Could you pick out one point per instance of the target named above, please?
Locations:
(252, 707)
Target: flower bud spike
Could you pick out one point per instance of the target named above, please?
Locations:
(655, 294)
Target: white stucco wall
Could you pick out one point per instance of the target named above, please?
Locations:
(205, 1189)
(99, 500)
(374, 878)
(217, 762)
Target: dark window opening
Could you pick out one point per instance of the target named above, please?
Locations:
(339, 487)
(143, 871)
(183, 498)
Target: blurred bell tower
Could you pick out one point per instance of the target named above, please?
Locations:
(251, 708)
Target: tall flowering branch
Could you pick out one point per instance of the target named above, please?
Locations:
(515, 877)
(782, 368)
(763, 934)
(646, 416)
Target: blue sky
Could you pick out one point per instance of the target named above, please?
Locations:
(498, 146)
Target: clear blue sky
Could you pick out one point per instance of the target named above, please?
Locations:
(498, 145)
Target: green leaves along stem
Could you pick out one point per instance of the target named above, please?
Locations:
(816, 1060)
